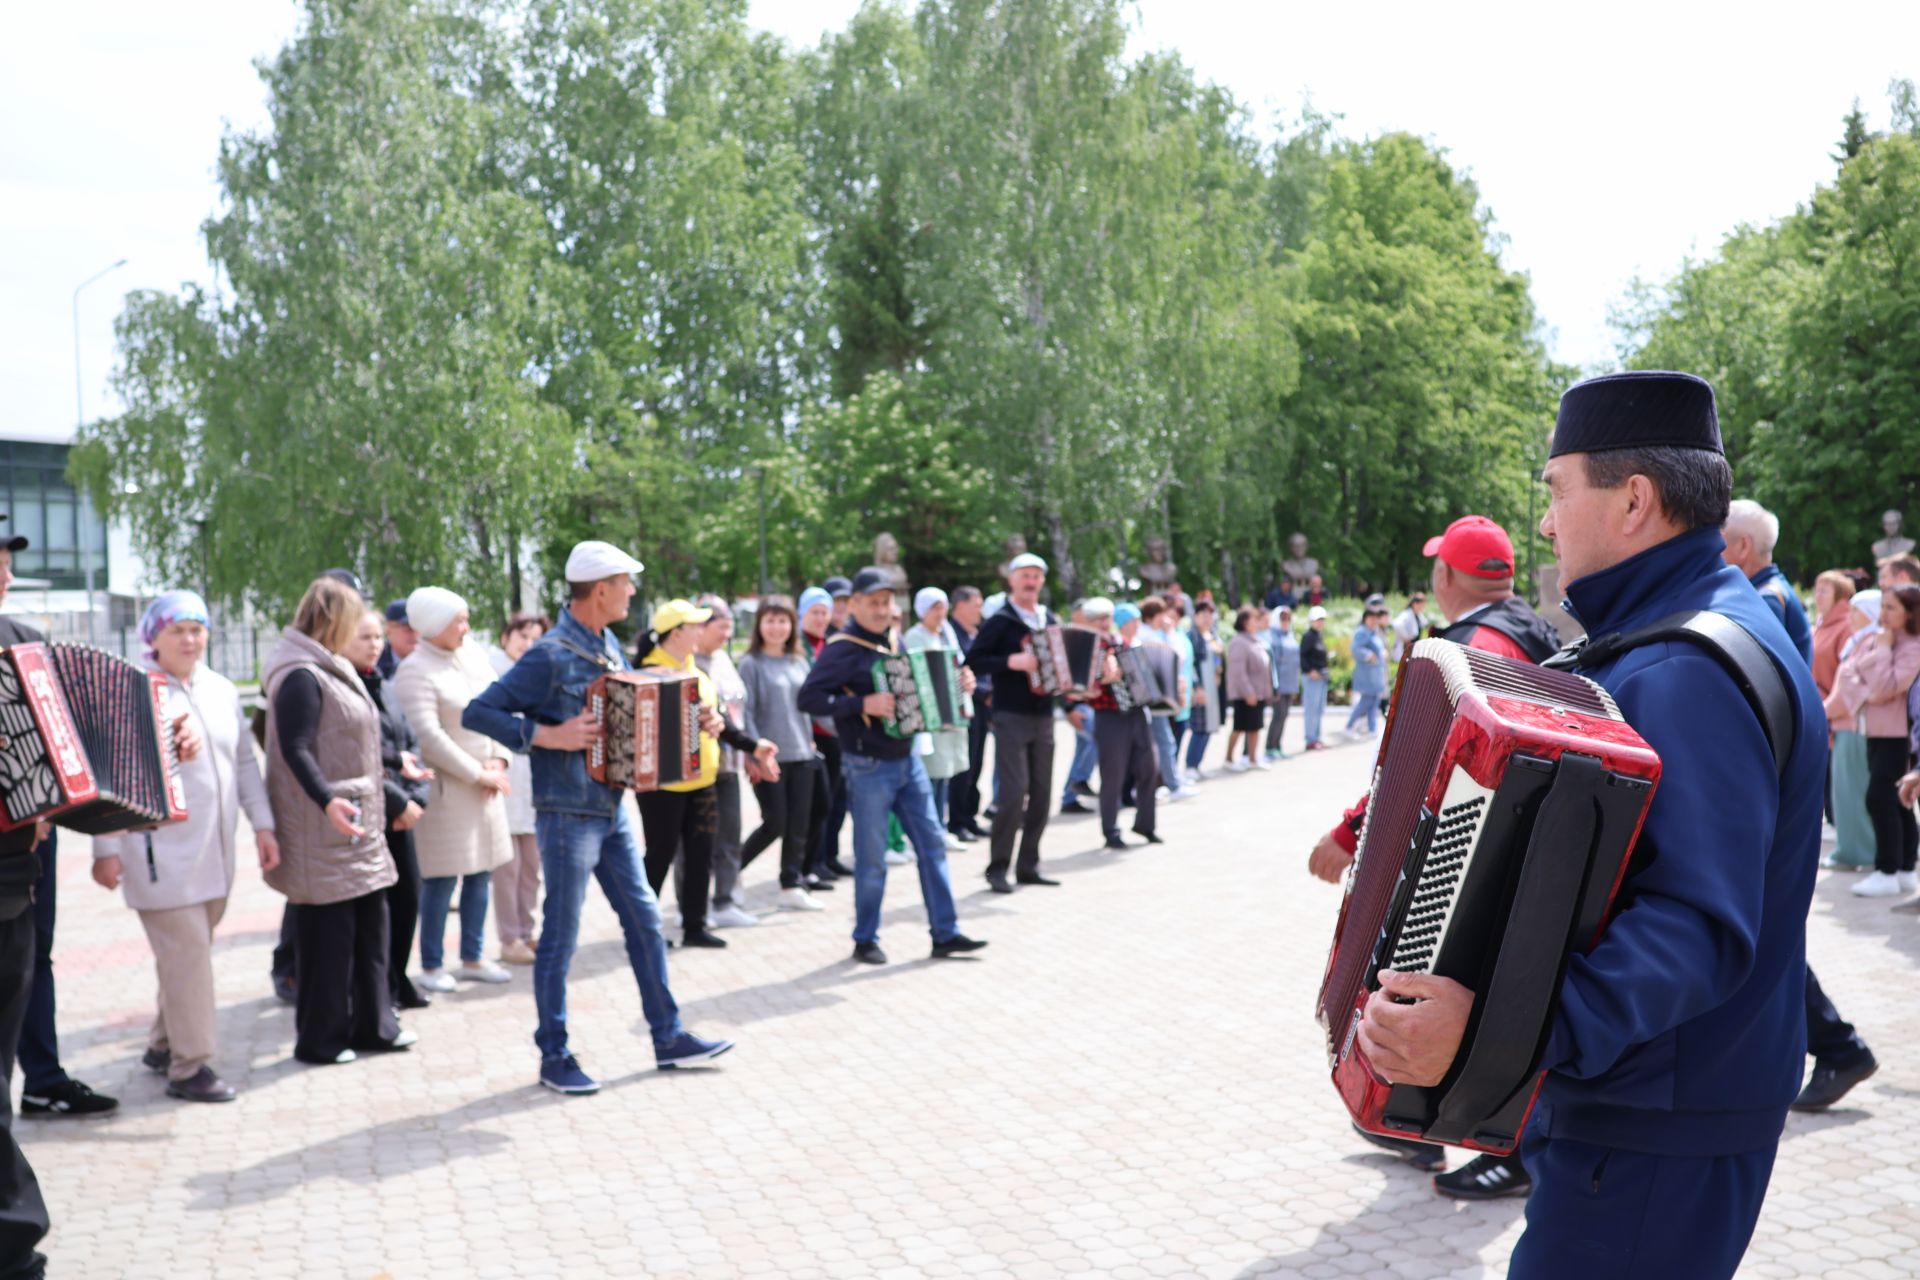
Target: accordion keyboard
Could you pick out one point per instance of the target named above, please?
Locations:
(1443, 869)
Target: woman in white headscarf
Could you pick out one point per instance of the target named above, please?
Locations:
(945, 755)
(464, 833)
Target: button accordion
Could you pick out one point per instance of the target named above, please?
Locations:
(1149, 677)
(85, 740)
(1066, 660)
(925, 685)
(650, 722)
(1504, 807)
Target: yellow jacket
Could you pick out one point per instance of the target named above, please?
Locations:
(709, 747)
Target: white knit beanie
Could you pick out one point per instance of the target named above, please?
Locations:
(431, 610)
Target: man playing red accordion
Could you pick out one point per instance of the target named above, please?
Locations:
(1678, 1041)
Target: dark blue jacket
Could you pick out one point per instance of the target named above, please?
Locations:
(842, 676)
(1780, 597)
(547, 686)
(1684, 1031)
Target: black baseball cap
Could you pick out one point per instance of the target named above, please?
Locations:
(397, 611)
(18, 542)
(867, 581)
(837, 586)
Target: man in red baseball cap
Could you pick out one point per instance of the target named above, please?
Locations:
(1473, 587)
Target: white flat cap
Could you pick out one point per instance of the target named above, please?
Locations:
(592, 561)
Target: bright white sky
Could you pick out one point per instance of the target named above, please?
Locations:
(1607, 141)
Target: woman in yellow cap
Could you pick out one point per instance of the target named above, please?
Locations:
(682, 818)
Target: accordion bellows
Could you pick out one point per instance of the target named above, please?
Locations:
(1066, 660)
(651, 723)
(1504, 807)
(84, 740)
(925, 684)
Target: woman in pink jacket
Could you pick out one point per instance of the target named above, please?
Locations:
(1870, 693)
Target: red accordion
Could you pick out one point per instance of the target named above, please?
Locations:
(651, 720)
(1504, 807)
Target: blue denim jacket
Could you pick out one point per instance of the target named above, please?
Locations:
(547, 686)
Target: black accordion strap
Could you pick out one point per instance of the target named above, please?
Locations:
(601, 658)
(1729, 643)
(1520, 993)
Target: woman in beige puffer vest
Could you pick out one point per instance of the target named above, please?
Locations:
(324, 784)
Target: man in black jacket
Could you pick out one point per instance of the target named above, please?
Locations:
(1022, 725)
(883, 774)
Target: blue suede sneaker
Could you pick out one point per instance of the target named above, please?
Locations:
(688, 1049)
(563, 1075)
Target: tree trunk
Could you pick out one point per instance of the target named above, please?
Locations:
(1057, 541)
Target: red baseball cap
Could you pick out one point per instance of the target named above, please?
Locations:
(1476, 546)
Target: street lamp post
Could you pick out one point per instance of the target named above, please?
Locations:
(80, 422)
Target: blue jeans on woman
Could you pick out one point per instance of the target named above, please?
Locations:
(875, 789)
(1167, 751)
(1313, 705)
(436, 895)
(941, 790)
(1366, 706)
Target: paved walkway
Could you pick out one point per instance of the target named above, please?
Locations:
(1129, 1083)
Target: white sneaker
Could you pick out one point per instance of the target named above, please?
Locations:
(898, 858)
(1262, 763)
(482, 971)
(1909, 881)
(1877, 885)
(731, 917)
(436, 980)
(954, 843)
(1238, 766)
(405, 1040)
(1162, 793)
(799, 900)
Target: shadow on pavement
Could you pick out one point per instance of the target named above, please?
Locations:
(1438, 1237)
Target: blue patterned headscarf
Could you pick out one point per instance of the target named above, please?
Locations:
(169, 608)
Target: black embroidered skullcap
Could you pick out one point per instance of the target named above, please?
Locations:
(1636, 410)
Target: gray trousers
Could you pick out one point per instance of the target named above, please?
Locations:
(1282, 703)
(1125, 741)
(1023, 782)
(726, 844)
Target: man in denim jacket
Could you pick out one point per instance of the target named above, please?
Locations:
(582, 827)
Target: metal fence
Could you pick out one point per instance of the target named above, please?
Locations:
(234, 648)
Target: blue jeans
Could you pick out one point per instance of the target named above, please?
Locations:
(436, 895)
(573, 848)
(1167, 751)
(1313, 705)
(1366, 706)
(876, 788)
(1197, 747)
(941, 789)
(1085, 756)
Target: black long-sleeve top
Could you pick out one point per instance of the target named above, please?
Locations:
(296, 712)
(1313, 652)
(396, 738)
(998, 640)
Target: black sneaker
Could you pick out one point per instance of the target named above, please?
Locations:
(1427, 1157)
(202, 1086)
(1037, 878)
(1115, 840)
(1828, 1084)
(1073, 805)
(67, 1100)
(821, 884)
(998, 883)
(840, 869)
(869, 953)
(1149, 837)
(958, 945)
(1084, 789)
(1485, 1178)
(701, 938)
(156, 1060)
(283, 987)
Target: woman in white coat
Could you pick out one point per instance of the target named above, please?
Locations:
(464, 834)
(177, 877)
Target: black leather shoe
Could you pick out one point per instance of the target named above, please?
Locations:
(869, 953)
(958, 945)
(156, 1060)
(1037, 878)
(973, 829)
(67, 1100)
(962, 835)
(1424, 1156)
(998, 883)
(1073, 806)
(283, 987)
(840, 869)
(821, 884)
(1149, 837)
(411, 997)
(1084, 789)
(1828, 1085)
(1114, 840)
(701, 938)
(1485, 1178)
(201, 1086)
